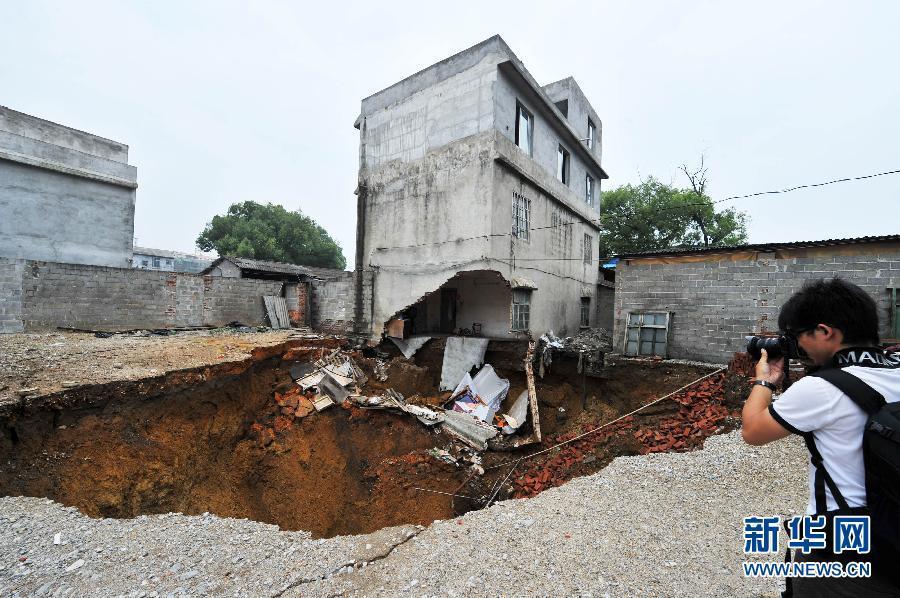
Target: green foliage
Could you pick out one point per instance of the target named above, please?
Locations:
(269, 232)
(654, 216)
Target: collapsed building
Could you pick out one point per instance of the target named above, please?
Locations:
(478, 202)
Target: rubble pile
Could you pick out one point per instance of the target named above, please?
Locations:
(701, 413)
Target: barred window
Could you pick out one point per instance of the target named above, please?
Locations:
(521, 309)
(589, 190)
(521, 215)
(588, 248)
(585, 312)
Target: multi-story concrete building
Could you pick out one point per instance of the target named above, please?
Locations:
(65, 195)
(478, 200)
(164, 260)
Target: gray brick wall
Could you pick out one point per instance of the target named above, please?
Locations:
(606, 305)
(714, 304)
(11, 295)
(332, 303)
(42, 295)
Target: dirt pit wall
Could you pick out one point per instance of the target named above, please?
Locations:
(192, 450)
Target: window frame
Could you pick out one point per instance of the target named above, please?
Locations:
(585, 312)
(521, 217)
(589, 185)
(529, 118)
(587, 249)
(156, 262)
(640, 325)
(520, 310)
(563, 165)
(591, 134)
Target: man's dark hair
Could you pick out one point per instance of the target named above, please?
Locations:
(835, 302)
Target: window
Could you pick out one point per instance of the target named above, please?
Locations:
(156, 262)
(645, 334)
(145, 263)
(589, 190)
(562, 165)
(588, 248)
(585, 312)
(592, 132)
(168, 262)
(521, 309)
(521, 209)
(524, 128)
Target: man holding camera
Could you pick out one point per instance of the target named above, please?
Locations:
(833, 325)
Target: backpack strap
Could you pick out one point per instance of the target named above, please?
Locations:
(869, 400)
(822, 477)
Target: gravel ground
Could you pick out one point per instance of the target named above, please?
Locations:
(53, 361)
(656, 525)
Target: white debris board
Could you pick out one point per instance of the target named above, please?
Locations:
(461, 354)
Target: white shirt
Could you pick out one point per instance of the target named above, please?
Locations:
(813, 405)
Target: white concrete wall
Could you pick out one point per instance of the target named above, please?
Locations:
(65, 195)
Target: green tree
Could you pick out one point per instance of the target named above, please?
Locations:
(269, 232)
(652, 215)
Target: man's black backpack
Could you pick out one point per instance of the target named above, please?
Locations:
(881, 454)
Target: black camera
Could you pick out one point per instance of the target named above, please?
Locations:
(775, 346)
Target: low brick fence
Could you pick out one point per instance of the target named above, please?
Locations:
(43, 295)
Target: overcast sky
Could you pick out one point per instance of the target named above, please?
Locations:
(222, 102)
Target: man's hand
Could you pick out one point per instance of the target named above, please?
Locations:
(759, 426)
(770, 372)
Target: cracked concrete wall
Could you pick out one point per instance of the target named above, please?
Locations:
(65, 195)
(715, 302)
(437, 173)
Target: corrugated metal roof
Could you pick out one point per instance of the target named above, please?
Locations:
(278, 267)
(762, 246)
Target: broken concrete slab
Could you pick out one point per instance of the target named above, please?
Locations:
(468, 429)
(409, 346)
(461, 354)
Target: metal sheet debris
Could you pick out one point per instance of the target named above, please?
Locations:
(461, 354)
(276, 310)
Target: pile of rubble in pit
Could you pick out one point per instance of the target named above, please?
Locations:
(470, 414)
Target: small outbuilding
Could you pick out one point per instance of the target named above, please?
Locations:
(701, 303)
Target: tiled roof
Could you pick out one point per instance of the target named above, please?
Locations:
(762, 246)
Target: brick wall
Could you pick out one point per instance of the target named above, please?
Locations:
(332, 302)
(606, 305)
(41, 295)
(715, 303)
(11, 295)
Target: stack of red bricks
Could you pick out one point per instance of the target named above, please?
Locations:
(700, 414)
